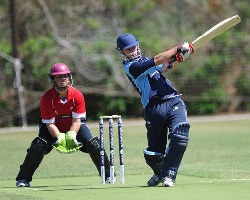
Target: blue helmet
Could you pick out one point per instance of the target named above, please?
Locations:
(126, 41)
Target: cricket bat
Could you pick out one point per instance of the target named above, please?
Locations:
(213, 32)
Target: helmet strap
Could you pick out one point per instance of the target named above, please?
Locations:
(61, 88)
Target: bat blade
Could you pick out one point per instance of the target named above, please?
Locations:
(215, 31)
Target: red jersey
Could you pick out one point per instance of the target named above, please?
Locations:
(54, 110)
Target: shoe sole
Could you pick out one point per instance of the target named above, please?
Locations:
(22, 185)
(167, 183)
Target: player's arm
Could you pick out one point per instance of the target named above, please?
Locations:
(78, 112)
(181, 52)
(60, 140)
(48, 114)
(76, 123)
(166, 67)
(71, 141)
(52, 129)
(163, 57)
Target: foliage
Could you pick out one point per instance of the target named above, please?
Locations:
(105, 105)
(38, 55)
(92, 23)
(242, 87)
(35, 54)
(5, 46)
(84, 36)
(202, 107)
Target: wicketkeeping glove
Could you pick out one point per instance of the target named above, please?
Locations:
(60, 144)
(72, 144)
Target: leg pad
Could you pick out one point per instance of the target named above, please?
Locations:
(34, 157)
(154, 160)
(177, 147)
(93, 148)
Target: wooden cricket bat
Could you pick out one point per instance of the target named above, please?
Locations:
(215, 31)
(212, 33)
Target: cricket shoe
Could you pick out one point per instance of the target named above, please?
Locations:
(154, 180)
(22, 183)
(168, 182)
(109, 181)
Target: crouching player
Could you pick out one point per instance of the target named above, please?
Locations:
(62, 126)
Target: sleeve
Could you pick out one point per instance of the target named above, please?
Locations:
(138, 68)
(46, 108)
(79, 110)
(159, 68)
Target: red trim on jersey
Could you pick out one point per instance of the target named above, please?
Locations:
(53, 110)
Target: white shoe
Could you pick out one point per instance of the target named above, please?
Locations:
(167, 182)
(109, 181)
(22, 183)
(154, 181)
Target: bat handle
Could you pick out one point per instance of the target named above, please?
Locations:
(172, 59)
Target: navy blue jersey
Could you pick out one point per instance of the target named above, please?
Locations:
(148, 79)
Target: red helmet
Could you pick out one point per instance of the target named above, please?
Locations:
(59, 68)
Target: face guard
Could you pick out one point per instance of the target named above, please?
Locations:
(126, 41)
(60, 69)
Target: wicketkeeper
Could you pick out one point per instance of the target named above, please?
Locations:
(62, 125)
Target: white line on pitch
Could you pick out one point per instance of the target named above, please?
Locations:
(226, 180)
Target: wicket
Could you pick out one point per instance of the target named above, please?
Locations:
(111, 147)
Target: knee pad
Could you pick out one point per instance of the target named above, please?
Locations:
(93, 144)
(39, 145)
(155, 160)
(180, 134)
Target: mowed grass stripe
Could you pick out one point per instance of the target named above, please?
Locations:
(215, 166)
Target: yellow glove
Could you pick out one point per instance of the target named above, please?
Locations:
(60, 144)
(72, 144)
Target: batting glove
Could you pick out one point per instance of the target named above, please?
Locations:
(60, 144)
(184, 51)
(72, 144)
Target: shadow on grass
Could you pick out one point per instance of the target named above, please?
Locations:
(81, 187)
(73, 187)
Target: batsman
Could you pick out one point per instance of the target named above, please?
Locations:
(62, 126)
(163, 108)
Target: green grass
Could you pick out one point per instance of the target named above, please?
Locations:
(216, 166)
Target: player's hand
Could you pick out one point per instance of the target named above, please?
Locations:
(72, 144)
(169, 64)
(185, 48)
(60, 144)
(184, 51)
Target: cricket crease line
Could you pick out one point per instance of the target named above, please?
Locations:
(226, 180)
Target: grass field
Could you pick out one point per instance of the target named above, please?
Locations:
(216, 166)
